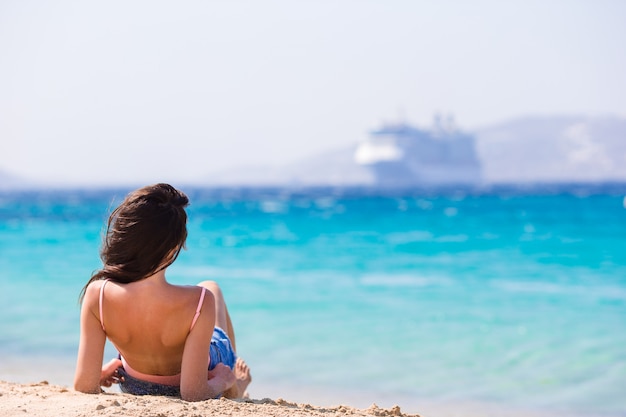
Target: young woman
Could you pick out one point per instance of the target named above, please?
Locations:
(172, 340)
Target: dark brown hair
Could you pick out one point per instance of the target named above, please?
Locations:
(144, 235)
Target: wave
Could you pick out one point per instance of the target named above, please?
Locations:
(613, 292)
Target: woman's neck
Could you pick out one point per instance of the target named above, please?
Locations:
(157, 278)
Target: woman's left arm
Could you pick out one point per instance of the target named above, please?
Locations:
(91, 345)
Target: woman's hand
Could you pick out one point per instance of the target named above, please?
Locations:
(109, 373)
(220, 379)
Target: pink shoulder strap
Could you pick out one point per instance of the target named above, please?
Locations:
(198, 309)
(100, 303)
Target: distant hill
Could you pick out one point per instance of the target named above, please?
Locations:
(9, 181)
(523, 150)
(529, 149)
(336, 168)
(554, 149)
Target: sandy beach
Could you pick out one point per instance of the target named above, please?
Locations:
(44, 399)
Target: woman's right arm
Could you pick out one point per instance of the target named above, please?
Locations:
(91, 344)
(194, 385)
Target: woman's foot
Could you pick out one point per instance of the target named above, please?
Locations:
(241, 372)
(243, 377)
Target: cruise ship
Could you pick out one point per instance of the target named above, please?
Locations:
(402, 155)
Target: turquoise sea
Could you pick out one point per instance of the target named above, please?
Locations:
(503, 296)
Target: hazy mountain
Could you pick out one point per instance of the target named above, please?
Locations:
(554, 149)
(9, 181)
(530, 149)
(523, 150)
(329, 168)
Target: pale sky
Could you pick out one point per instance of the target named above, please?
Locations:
(104, 92)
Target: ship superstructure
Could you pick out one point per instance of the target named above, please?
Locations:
(402, 155)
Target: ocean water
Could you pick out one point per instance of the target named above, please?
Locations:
(502, 296)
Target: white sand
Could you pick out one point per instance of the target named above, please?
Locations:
(43, 399)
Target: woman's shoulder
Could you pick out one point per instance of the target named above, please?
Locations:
(91, 297)
(188, 289)
(93, 289)
(195, 295)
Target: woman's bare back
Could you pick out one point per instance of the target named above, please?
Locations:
(148, 322)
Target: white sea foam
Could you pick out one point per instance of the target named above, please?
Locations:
(602, 291)
(400, 238)
(217, 273)
(273, 206)
(404, 280)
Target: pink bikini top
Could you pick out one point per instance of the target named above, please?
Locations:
(159, 379)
